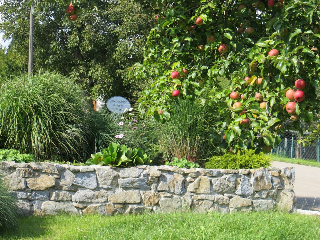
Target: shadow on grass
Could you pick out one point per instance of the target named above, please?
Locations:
(28, 227)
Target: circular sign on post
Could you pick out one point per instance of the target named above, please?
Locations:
(118, 104)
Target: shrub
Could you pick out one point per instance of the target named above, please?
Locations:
(245, 159)
(182, 163)
(45, 115)
(15, 155)
(8, 209)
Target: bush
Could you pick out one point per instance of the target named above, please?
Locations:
(182, 163)
(245, 159)
(8, 209)
(15, 155)
(45, 115)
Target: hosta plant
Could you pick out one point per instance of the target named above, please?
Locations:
(119, 156)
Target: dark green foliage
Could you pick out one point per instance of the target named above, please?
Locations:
(8, 209)
(245, 159)
(15, 155)
(182, 163)
(95, 50)
(126, 129)
(119, 156)
(45, 115)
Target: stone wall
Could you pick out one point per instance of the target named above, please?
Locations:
(47, 188)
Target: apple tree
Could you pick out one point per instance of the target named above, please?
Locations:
(269, 50)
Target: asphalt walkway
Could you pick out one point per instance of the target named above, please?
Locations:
(307, 185)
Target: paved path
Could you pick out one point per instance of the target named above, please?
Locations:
(307, 185)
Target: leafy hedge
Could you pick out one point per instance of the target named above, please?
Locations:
(245, 159)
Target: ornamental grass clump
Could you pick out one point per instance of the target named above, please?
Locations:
(8, 209)
(45, 115)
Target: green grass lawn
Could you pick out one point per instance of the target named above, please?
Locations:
(312, 163)
(256, 225)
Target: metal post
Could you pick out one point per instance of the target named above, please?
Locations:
(30, 61)
(318, 150)
(292, 147)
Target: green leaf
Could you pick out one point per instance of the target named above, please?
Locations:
(262, 44)
(228, 35)
(310, 116)
(273, 121)
(297, 108)
(266, 141)
(292, 35)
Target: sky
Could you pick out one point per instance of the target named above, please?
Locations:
(3, 44)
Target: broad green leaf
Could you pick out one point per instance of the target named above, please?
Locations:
(228, 35)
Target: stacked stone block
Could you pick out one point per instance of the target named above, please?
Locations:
(50, 188)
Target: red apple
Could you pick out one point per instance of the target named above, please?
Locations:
(273, 52)
(253, 67)
(258, 97)
(224, 137)
(175, 75)
(259, 80)
(236, 105)
(199, 21)
(223, 48)
(185, 71)
(300, 84)
(298, 96)
(263, 105)
(70, 9)
(240, 30)
(294, 117)
(73, 17)
(247, 78)
(242, 112)
(270, 3)
(210, 38)
(175, 93)
(250, 30)
(192, 28)
(234, 95)
(160, 112)
(245, 121)
(242, 6)
(290, 107)
(290, 94)
(242, 96)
